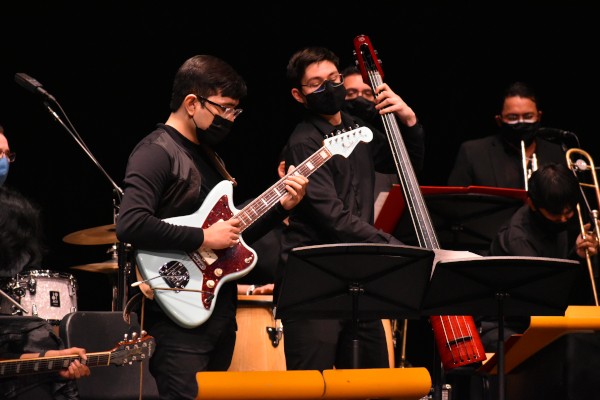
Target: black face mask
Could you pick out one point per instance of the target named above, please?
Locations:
(361, 108)
(216, 132)
(550, 226)
(327, 102)
(514, 133)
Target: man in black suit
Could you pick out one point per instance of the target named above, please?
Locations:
(497, 160)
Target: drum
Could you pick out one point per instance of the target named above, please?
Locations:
(46, 294)
(259, 343)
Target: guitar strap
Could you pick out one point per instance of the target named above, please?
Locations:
(219, 164)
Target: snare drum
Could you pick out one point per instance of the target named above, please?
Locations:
(46, 294)
(259, 342)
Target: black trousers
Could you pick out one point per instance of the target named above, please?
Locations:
(180, 353)
(324, 344)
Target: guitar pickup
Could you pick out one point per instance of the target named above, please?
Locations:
(208, 256)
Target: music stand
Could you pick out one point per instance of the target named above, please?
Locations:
(354, 281)
(500, 286)
(465, 218)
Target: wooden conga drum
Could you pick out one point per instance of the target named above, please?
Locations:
(259, 343)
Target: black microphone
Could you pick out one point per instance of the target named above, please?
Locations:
(554, 134)
(32, 85)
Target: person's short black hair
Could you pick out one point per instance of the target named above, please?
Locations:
(351, 70)
(554, 187)
(206, 75)
(520, 89)
(301, 59)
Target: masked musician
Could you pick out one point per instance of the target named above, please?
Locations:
(360, 102)
(338, 206)
(27, 338)
(540, 229)
(507, 158)
(170, 173)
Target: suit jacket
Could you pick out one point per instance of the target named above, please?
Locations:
(490, 162)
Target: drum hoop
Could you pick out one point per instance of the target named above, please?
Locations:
(259, 300)
(46, 273)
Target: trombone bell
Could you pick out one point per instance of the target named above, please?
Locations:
(582, 165)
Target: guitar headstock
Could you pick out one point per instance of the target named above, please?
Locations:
(343, 143)
(128, 351)
(367, 59)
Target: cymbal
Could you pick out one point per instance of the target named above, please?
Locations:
(106, 267)
(99, 235)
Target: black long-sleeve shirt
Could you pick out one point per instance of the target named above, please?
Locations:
(489, 161)
(168, 176)
(339, 203)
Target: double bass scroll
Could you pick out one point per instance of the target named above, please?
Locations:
(456, 337)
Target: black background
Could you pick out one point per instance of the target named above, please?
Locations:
(110, 66)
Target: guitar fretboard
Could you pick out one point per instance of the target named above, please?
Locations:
(265, 201)
(39, 365)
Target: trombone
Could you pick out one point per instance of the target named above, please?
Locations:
(582, 165)
(524, 163)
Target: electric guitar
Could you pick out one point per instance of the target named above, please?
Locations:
(186, 284)
(125, 353)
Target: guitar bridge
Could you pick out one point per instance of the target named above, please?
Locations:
(175, 274)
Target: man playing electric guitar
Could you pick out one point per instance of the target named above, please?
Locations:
(169, 174)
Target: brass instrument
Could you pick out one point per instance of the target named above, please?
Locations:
(582, 165)
(525, 160)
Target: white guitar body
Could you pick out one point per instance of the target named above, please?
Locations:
(206, 270)
(186, 285)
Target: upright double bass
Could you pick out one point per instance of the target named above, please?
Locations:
(456, 336)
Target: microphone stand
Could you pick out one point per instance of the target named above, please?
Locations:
(120, 291)
(81, 144)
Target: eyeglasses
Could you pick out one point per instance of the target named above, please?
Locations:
(10, 155)
(227, 112)
(516, 118)
(354, 93)
(317, 85)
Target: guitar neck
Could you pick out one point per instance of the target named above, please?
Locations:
(263, 203)
(28, 366)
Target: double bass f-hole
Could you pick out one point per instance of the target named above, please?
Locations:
(456, 336)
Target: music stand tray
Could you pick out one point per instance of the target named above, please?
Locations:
(354, 280)
(532, 286)
(464, 217)
(500, 286)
